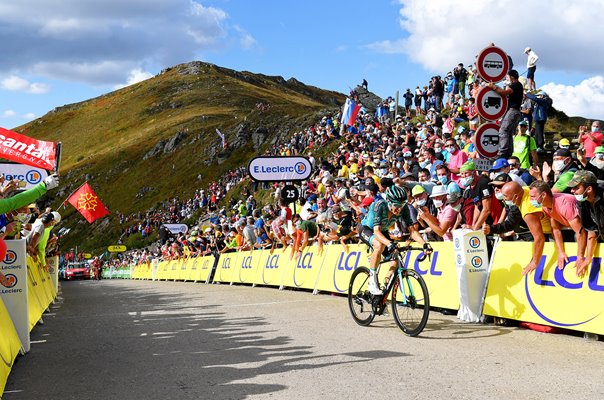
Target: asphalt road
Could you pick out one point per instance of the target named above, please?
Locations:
(171, 340)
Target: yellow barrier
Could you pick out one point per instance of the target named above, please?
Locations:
(246, 269)
(271, 268)
(547, 296)
(9, 345)
(225, 268)
(304, 272)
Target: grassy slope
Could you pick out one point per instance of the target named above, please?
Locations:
(106, 138)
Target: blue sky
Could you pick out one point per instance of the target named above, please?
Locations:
(64, 51)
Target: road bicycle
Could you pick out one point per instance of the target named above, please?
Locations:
(406, 292)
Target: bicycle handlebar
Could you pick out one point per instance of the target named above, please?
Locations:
(411, 248)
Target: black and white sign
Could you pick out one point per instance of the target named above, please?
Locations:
(290, 193)
(279, 169)
(492, 64)
(486, 139)
(490, 105)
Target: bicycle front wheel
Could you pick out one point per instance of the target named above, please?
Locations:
(359, 298)
(410, 302)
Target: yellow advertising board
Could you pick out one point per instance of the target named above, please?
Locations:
(9, 345)
(226, 266)
(182, 273)
(272, 267)
(303, 272)
(548, 295)
(439, 271)
(247, 266)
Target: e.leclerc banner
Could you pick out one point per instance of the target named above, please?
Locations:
(26, 150)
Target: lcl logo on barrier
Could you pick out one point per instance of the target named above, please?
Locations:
(246, 263)
(561, 281)
(10, 257)
(346, 262)
(272, 262)
(205, 264)
(304, 263)
(226, 263)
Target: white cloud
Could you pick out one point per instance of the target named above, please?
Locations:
(438, 34)
(29, 116)
(136, 75)
(8, 114)
(17, 84)
(101, 41)
(585, 99)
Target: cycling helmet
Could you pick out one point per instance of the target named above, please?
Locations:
(396, 195)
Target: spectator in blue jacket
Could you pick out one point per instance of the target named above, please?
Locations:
(542, 104)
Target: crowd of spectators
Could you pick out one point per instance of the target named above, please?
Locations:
(429, 151)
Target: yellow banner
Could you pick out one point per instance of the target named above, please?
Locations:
(439, 272)
(304, 272)
(272, 267)
(9, 345)
(226, 266)
(548, 295)
(247, 266)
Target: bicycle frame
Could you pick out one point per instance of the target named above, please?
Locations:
(400, 269)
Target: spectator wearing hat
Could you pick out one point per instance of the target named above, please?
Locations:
(596, 164)
(512, 116)
(525, 147)
(476, 209)
(446, 215)
(564, 168)
(531, 67)
(590, 139)
(501, 166)
(563, 212)
(591, 209)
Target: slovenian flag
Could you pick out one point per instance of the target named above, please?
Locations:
(351, 110)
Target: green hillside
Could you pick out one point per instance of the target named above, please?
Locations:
(148, 142)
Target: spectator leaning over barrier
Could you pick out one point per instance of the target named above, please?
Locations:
(596, 164)
(591, 208)
(306, 232)
(476, 209)
(37, 232)
(510, 224)
(510, 120)
(538, 223)
(563, 212)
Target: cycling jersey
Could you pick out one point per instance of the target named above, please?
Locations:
(378, 216)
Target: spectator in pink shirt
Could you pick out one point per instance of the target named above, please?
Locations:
(446, 217)
(456, 160)
(590, 140)
(563, 211)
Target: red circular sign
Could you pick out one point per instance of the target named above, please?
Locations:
(492, 64)
(486, 140)
(491, 105)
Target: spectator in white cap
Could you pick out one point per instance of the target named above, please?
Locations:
(447, 214)
(531, 66)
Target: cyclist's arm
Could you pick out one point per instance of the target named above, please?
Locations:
(377, 233)
(415, 235)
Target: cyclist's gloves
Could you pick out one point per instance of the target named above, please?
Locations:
(428, 248)
(391, 247)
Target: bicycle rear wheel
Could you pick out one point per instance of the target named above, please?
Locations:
(410, 302)
(359, 298)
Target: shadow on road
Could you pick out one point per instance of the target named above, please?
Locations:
(117, 340)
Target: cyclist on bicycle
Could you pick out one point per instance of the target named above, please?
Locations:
(382, 215)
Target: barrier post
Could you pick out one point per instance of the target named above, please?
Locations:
(14, 293)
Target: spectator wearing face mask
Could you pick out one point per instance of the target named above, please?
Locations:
(564, 168)
(590, 139)
(477, 197)
(443, 222)
(456, 160)
(596, 164)
(510, 225)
